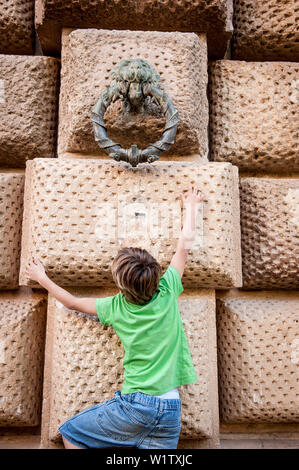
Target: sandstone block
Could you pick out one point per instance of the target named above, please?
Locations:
(258, 355)
(89, 56)
(28, 108)
(254, 115)
(22, 334)
(213, 18)
(11, 212)
(269, 228)
(83, 365)
(79, 213)
(16, 26)
(265, 30)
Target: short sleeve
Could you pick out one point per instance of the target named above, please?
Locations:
(172, 280)
(104, 310)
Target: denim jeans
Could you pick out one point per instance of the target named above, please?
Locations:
(127, 420)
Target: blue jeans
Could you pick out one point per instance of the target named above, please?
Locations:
(129, 420)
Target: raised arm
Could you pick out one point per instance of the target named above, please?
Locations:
(190, 200)
(36, 271)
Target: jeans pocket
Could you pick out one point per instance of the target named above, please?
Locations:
(79, 415)
(170, 418)
(115, 421)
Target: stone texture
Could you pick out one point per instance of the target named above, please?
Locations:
(89, 56)
(200, 420)
(28, 108)
(22, 335)
(259, 430)
(11, 212)
(258, 355)
(269, 232)
(213, 17)
(266, 30)
(254, 115)
(78, 213)
(16, 26)
(84, 365)
(275, 443)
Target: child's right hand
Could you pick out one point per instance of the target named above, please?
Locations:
(35, 269)
(193, 196)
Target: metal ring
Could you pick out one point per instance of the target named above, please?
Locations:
(140, 73)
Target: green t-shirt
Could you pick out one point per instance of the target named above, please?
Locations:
(157, 357)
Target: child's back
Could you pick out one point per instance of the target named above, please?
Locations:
(157, 358)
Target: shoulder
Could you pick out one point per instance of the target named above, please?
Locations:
(106, 308)
(107, 300)
(171, 281)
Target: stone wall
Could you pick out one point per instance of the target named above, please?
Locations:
(93, 204)
(253, 110)
(22, 341)
(179, 58)
(11, 207)
(28, 108)
(265, 30)
(258, 340)
(16, 26)
(214, 18)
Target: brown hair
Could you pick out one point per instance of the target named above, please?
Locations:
(137, 274)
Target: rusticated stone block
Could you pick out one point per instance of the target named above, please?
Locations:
(11, 212)
(265, 30)
(180, 60)
(213, 17)
(16, 26)
(79, 213)
(258, 356)
(28, 108)
(84, 365)
(22, 334)
(254, 115)
(269, 233)
(200, 420)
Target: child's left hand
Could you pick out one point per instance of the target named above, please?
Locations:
(35, 269)
(193, 196)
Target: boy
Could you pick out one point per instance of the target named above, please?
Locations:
(145, 315)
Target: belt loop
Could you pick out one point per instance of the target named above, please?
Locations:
(160, 406)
